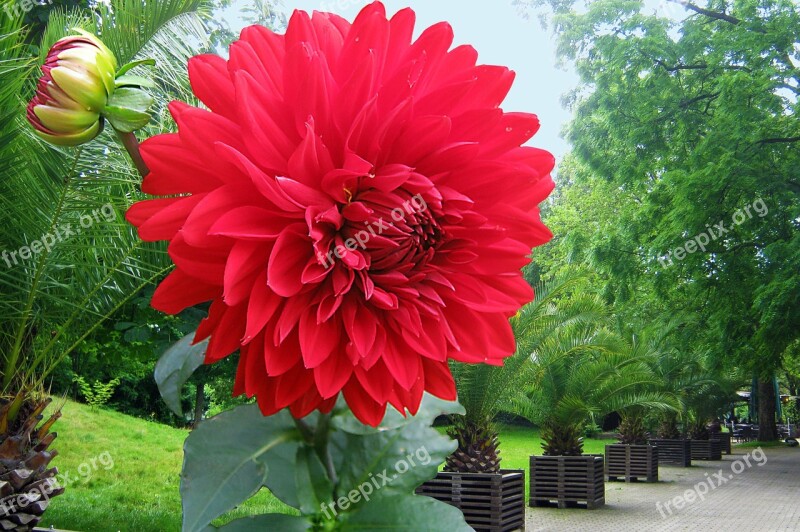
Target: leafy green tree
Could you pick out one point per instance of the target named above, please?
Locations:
(687, 131)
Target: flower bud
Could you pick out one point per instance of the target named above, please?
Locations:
(78, 78)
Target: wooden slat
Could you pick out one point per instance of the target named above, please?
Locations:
(490, 503)
(567, 480)
(674, 452)
(706, 450)
(632, 462)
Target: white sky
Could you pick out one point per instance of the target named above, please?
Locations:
(502, 37)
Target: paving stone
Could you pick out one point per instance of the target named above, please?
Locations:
(762, 498)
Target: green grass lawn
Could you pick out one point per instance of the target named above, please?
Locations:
(139, 492)
(123, 472)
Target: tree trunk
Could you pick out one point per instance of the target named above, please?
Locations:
(767, 429)
(199, 404)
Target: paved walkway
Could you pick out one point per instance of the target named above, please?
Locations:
(726, 496)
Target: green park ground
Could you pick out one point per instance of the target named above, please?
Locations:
(140, 491)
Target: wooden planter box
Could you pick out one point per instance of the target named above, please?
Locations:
(674, 452)
(489, 502)
(706, 450)
(567, 481)
(632, 462)
(725, 440)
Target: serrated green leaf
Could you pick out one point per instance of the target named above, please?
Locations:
(393, 459)
(225, 461)
(134, 81)
(412, 513)
(174, 368)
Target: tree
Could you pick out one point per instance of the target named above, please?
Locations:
(582, 371)
(485, 391)
(690, 128)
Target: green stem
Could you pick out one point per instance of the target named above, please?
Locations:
(321, 440)
(318, 437)
(132, 146)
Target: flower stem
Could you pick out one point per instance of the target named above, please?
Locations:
(132, 146)
(317, 437)
(321, 445)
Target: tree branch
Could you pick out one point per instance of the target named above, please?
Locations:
(698, 66)
(710, 96)
(716, 15)
(779, 140)
(707, 12)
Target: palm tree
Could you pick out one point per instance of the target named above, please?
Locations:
(69, 260)
(585, 371)
(701, 392)
(485, 391)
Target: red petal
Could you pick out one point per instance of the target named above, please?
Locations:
(179, 291)
(291, 248)
(362, 405)
(333, 374)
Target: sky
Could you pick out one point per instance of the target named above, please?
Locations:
(502, 37)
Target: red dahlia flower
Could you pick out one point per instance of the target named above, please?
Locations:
(357, 206)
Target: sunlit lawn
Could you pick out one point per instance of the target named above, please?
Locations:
(140, 492)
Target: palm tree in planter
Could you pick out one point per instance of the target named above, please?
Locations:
(633, 457)
(707, 403)
(686, 376)
(581, 371)
(472, 473)
(69, 260)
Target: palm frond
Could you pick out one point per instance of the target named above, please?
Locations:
(52, 301)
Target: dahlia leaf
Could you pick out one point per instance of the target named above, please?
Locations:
(415, 512)
(392, 460)
(174, 368)
(225, 461)
(134, 64)
(259, 523)
(127, 109)
(134, 81)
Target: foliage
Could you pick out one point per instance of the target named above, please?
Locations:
(632, 430)
(591, 429)
(98, 393)
(584, 371)
(681, 124)
(141, 491)
(316, 465)
(56, 298)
